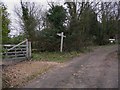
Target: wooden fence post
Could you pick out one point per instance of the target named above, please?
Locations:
(29, 43)
(27, 50)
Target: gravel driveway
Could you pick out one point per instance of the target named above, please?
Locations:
(97, 69)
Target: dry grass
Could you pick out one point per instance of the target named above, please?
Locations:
(19, 74)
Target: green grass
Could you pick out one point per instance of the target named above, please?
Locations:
(54, 56)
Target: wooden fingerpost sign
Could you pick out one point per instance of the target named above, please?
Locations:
(62, 36)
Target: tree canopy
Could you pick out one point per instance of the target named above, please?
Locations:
(83, 23)
(5, 23)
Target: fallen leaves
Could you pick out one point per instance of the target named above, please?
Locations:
(22, 72)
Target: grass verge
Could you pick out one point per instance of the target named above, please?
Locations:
(54, 56)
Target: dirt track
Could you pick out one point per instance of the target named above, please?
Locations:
(98, 69)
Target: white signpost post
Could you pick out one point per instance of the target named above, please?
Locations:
(62, 35)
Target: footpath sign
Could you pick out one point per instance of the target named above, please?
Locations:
(62, 36)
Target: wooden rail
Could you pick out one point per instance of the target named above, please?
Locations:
(19, 51)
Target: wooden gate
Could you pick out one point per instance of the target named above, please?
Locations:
(16, 53)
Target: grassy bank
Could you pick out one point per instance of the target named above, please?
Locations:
(64, 56)
(54, 56)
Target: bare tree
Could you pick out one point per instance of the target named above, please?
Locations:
(30, 18)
